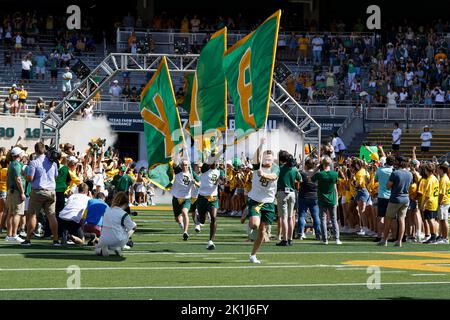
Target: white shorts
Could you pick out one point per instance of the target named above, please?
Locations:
(27, 203)
(443, 212)
(67, 87)
(40, 70)
(141, 188)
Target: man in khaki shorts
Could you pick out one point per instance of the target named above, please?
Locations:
(15, 200)
(42, 174)
(287, 184)
(399, 183)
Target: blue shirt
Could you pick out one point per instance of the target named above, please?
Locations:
(40, 61)
(95, 211)
(43, 173)
(382, 176)
(401, 180)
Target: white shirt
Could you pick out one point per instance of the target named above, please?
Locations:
(209, 182)
(66, 57)
(115, 90)
(18, 40)
(26, 64)
(317, 44)
(440, 96)
(391, 96)
(396, 134)
(264, 191)
(338, 144)
(99, 181)
(112, 224)
(426, 136)
(181, 188)
(403, 96)
(73, 211)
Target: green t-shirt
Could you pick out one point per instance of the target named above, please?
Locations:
(122, 183)
(14, 171)
(326, 187)
(287, 178)
(63, 179)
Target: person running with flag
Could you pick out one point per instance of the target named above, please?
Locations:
(208, 200)
(181, 191)
(261, 198)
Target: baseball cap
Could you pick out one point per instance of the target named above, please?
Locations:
(444, 164)
(72, 159)
(16, 151)
(229, 163)
(123, 168)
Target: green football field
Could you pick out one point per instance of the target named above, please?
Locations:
(162, 266)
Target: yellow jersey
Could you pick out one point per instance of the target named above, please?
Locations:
(421, 191)
(444, 189)
(3, 179)
(413, 191)
(432, 192)
(373, 186)
(361, 179)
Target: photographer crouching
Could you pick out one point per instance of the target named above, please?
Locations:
(42, 173)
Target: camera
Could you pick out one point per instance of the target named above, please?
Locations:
(52, 154)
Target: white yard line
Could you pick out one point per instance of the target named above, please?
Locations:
(230, 286)
(263, 266)
(428, 274)
(85, 252)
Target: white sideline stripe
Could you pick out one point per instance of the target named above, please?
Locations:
(228, 286)
(83, 253)
(268, 266)
(428, 274)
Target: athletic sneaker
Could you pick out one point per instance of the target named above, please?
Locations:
(185, 236)
(70, 243)
(181, 225)
(282, 243)
(443, 241)
(211, 245)
(382, 243)
(253, 259)
(198, 228)
(325, 242)
(22, 233)
(26, 243)
(125, 247)
(430, 241)
(361, 233)
(56, 243)
(338, 242)
(426, 238)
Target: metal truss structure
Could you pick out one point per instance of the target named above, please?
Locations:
(85, 92)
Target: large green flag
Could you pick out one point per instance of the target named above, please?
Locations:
(248, 66)
(209, 91)
(185, 101)
(162, 125)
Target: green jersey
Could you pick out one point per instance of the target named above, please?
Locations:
(326, 187)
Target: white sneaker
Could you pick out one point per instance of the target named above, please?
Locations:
(23, 234)
(104, 251)
(303, 237)
(253, 259)
(8, 238)
(426, 238)
(338, 242)
(211, 245)
(181, 225)
(18, 239)
(361, 233)
(198, 228)
(325, 242)
(125, 247)
(70, 242)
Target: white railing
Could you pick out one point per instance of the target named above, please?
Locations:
(169, 37)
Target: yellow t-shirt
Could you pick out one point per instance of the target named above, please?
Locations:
(3, 179)
(23, 94)
(248, 181)
(361, 179)
(421, 190)
(444, 189)
(432, 192)
(413, 191)
(373, 186)
(341, 187)
(303, 43)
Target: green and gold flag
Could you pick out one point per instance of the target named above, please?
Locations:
(209, 90)
(162, 125)
(248, 67)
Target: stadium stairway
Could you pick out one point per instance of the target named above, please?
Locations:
(440, 144)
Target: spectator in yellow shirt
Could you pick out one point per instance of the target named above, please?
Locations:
(430, 202)
(303, 46)
(444, 202)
